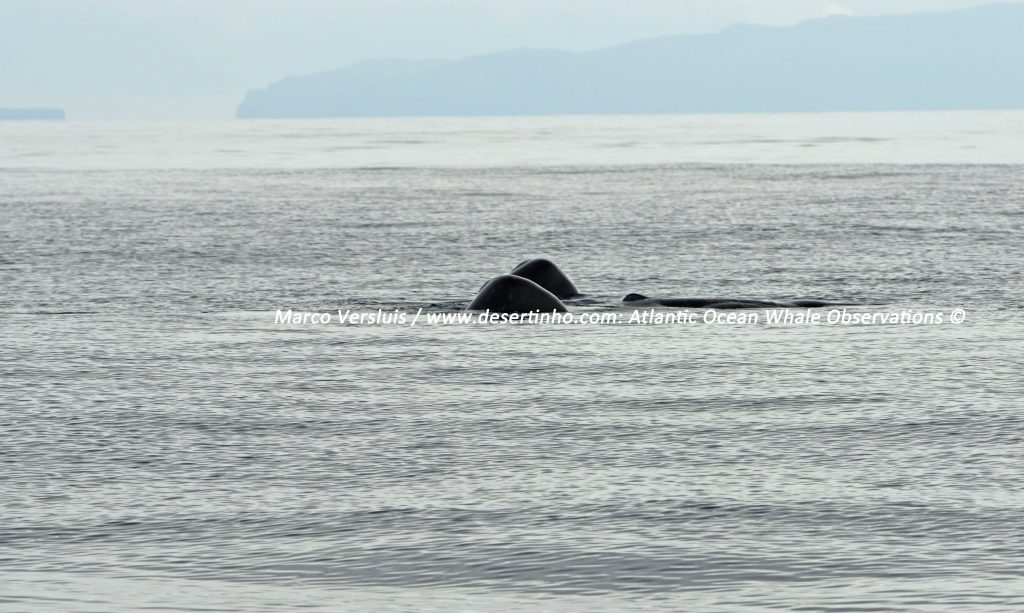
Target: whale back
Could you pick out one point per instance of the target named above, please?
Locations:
(545, 274)
(514, 294)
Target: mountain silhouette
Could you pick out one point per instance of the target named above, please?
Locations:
(36, 114)
(964, 59)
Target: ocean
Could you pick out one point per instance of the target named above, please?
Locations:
(169, 444)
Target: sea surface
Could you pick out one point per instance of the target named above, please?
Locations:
(166, 444)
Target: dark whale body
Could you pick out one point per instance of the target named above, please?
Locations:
(724, 303)
(538, 285)
(545, 274)
(514, 294)
(811, 304)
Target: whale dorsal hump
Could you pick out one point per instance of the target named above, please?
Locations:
(634, 297)
(545, 274)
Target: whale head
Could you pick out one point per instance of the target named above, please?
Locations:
(634, 297)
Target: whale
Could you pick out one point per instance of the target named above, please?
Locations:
(545, 274)
(515, 294)
(725, 303)
(538, 285)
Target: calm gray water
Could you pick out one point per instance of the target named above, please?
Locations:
(167, 446)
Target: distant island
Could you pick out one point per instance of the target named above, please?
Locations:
(31, 114)
(964, 59)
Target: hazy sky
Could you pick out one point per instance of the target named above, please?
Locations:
(111, 59)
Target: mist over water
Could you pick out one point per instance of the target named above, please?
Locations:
(168, 446)
(952, 137)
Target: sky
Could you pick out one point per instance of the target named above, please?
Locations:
(195, 59)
